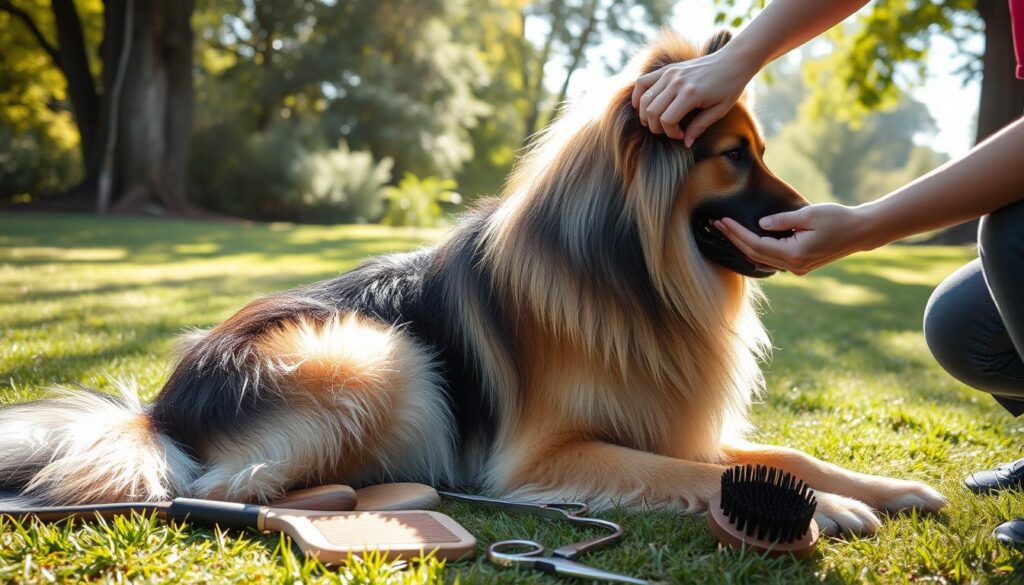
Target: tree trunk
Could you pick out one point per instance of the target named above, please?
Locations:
(578, 52)
(155, 118)
(265, 47)
(1002, 95)
(535, 87)
(74, 63)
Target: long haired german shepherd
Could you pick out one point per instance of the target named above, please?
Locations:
(587, 335)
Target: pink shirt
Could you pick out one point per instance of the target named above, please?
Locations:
(1017, 22)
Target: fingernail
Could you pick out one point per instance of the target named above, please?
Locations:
(765, 222)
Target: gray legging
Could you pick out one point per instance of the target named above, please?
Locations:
(974, 322)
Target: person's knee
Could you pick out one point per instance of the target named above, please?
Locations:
(945, 324)
(960, 324)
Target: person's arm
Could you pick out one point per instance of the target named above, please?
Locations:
(989, 177)
(714, 83)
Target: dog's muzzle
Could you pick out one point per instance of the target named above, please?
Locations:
(746, 209)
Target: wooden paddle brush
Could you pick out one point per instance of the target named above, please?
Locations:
(765, 509)
(329, 536)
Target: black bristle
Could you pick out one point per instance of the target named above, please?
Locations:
(767, 503)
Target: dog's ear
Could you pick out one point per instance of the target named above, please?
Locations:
(717, 41)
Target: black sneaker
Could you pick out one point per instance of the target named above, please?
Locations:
(1005, 477)
(1010, 533)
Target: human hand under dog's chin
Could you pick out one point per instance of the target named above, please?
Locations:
(822, 233)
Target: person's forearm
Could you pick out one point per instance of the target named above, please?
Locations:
(989, 177)
(786, 24)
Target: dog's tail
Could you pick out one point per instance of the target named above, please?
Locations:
(84, 446)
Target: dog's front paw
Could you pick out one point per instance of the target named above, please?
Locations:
(838, 515)
(912, 495)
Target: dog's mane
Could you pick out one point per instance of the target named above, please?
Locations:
(591, 244)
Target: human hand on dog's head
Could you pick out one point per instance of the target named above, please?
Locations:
(822, 233)
(709, 86)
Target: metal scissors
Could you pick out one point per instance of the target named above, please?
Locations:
(534, 555)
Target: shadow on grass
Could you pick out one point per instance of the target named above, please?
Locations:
(97, 314)
(156, 241)
(812, 334)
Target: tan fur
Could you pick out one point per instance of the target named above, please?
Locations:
(364, 403)
(344, 352)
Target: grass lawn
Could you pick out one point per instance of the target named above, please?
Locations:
(851, 382)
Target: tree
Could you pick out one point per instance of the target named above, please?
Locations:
(149, 164)
(571, 28)
(520, 43)
(39, 143)
(388, 77)
(858, 161)
(854, 158)
(494, 28)
(155, 119)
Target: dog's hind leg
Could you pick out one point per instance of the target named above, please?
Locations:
(357, 401)
(881, 493)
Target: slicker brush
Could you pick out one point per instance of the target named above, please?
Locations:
(765, 509)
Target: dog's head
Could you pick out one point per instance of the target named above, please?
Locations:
(724, 173)
(603, 219)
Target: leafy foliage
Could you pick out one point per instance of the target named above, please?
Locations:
(796, 168)
(387, 77)
(345, 186)
(871, 63)
(436, 88)
(885, 53)
(417, 202)
(831, 158)
(495, 31)
(39, 143)
(286, 173)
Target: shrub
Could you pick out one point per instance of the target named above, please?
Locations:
(34, 162)
(345, 186)
(417, 202)
(283, 174)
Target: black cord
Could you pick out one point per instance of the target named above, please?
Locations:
(88, 511)
(203, 512)
(85, 512)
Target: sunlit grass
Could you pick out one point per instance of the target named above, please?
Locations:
(851, 381)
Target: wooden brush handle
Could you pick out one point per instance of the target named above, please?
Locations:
(326, 498)
(397, 496)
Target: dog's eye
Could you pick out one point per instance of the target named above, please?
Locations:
(734, 154)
